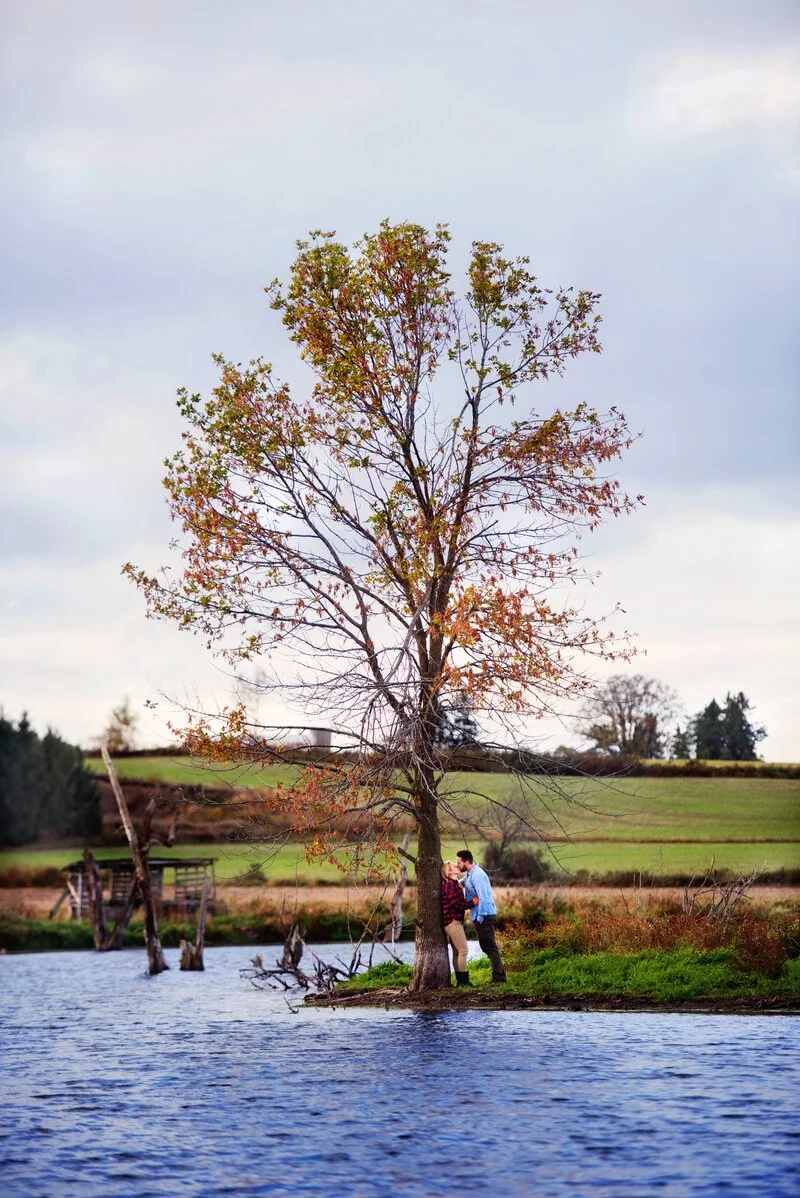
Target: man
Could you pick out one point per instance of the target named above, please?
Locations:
(482, 911)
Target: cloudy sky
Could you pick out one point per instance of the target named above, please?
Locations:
(160, 159)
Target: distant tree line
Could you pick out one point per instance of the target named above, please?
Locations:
(633, 716)
(44, 787)
(720, 733)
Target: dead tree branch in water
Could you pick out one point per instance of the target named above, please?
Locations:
(155, 954)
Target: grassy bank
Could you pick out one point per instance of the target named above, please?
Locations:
(660, 953)
(659, 976)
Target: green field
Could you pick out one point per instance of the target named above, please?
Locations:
(628, 809)
(288, 864)
(660, 825)
(189, 771)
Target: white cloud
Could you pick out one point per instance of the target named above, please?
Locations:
(712, 591)
(701, 93)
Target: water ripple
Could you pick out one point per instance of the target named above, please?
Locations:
(199, 1084)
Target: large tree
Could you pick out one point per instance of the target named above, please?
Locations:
(402, 549)
(630, 715)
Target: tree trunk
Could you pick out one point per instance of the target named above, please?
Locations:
(124, 917)
(431, 959)
(105, 940)
(192, 954)
(155, 953)
(97, 916)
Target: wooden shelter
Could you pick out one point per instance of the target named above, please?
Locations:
(184, 899)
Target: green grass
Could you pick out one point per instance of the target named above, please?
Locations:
(673, 858)
(663, 976)
(658, 825)
(288, 863)
(232, 860)
(190, 771)
(712, 809)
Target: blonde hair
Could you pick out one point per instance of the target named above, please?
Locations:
(445, 867)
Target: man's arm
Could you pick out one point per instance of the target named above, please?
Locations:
(483, 888)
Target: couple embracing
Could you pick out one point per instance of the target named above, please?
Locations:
(473, 894)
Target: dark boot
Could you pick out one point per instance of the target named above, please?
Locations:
(462, 979)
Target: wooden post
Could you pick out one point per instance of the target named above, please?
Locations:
(97, 916)
(192, 954)
(155, 953)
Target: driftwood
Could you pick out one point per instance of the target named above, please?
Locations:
(155, 954)
(192, 954)
(293, 946)
(716, 901)
(287, 974)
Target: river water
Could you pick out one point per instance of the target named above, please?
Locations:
(117, 1084)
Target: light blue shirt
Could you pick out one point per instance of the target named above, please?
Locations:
(477, 885)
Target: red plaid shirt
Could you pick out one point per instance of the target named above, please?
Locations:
(453, 904)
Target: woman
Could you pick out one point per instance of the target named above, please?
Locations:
(453, 907)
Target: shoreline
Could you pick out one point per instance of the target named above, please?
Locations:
(442, 1001)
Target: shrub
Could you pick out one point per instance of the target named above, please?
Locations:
(514, 865)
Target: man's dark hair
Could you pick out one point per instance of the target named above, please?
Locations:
(465, 855)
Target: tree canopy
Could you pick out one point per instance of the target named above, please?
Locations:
(44, 786)
(631, 715)
(725, 733)
(404, 534)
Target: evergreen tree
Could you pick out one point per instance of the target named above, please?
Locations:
(44, 786)
(708, 733)
(726, 733)
(682, 743)
(458, 728)
(741, 737)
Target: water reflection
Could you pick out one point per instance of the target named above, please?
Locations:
(115, 1083)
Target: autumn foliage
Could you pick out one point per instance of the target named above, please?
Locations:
(401, 536)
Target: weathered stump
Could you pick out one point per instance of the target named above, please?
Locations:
(192, 954)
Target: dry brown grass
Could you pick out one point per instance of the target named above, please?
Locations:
(761, 937)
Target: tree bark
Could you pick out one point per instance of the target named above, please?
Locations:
(105, 940)
(192, 954)
(97, 916)
(155, 953)
(431, 960)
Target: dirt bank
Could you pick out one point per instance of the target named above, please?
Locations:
(485, 1000)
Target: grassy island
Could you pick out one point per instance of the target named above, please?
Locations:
(610, 957)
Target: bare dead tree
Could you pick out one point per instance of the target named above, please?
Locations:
(293, 946)
(105, 939)
(717, 901)
(155, 954)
